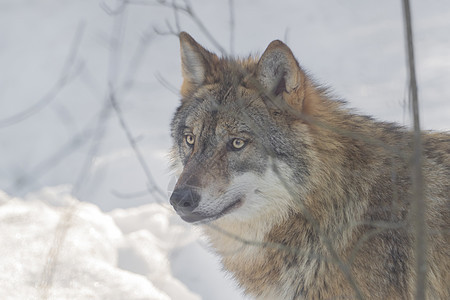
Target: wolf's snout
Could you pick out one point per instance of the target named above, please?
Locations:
(184, 200)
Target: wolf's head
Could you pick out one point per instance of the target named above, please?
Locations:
(239, 137)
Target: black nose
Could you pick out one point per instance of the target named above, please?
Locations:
(184, 200)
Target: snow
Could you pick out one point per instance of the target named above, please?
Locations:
(74, 195)
(100, 256)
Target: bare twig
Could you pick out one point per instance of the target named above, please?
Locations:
(286, 35)
(169, 31)
(112, 97)
(48, 273)
(96, 139)
(203, 28)
(232, 25)
(53, 160)
(176, 17)
(186, 9)
(66, 76)
(419, 207)
(164, 82)
(136, 59)
(113, 11)
(153, 188)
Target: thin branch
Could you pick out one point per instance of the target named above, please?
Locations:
(232, 25)
(112, 97)
(418, 206)
(164, 82)
(203, 28)
(65, 77)
(52, 161)
(136, 59)
(96, 138)
(169, 31)
(48, 272)
(287, 31)
(186, 9)
(176, 17)
(116, 47)
(113, 11)
(153, 188)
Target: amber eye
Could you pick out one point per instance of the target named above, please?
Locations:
(190, 139)
(237, 144)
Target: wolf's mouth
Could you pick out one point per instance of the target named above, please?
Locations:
(197, 218)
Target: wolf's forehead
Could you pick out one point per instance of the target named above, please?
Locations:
(219, 102)
(218, 120)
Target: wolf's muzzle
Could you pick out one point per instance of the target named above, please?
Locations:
(184, 201)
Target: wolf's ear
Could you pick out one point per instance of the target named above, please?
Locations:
(195, 60)
(279, 73)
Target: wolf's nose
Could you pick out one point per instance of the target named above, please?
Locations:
(184, 200)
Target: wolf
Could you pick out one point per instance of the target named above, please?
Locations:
(301, 197)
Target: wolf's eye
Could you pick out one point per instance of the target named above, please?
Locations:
(190, 139)
(237, 144)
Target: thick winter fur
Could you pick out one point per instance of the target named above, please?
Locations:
(301, 197)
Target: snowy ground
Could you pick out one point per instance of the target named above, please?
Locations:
(64, 152)
(90, 254)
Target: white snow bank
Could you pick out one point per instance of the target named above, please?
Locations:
(52, 243)
(151, 232)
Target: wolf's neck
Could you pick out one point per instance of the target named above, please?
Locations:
(231, 238)
(258, 253)
(244, 251)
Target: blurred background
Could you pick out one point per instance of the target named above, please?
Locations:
(88, 89)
